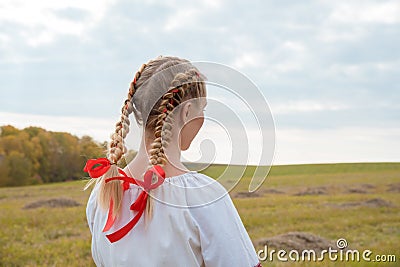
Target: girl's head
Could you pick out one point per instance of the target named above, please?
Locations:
(167, 97)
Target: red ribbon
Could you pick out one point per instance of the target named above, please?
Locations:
(103, 164)
(139, 205)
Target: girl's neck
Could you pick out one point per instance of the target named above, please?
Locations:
(140, 163)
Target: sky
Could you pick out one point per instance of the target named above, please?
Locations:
(329, 70)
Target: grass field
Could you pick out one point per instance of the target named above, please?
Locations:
(358, 202)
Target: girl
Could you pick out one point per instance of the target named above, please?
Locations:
(171, 216)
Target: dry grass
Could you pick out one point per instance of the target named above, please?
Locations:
(59, 236)
(52, 203)
(368, 220)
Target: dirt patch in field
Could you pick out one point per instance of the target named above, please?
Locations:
(243, 194)
(361, 189)
(321, 190)
(357, 191)
(297, 241)
(375, 202)
(52, 203)
(394, 188)
(274, 191)
(367, 186)
(25, 195)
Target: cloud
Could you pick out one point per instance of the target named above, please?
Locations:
(320, 64)
(43, 22)
(294, 107)
(351, 144)
(99, 129)
(248, 59)
(385, 12)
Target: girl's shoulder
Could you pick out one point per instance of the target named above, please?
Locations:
(199, 189)
(193, 178)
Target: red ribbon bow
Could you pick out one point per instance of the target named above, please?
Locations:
(139, 205)
(94, 171)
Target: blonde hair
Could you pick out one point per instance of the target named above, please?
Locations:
(175, 80)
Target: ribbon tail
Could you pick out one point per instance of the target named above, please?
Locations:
(140, 202)
(124, 179)
(110, 217)
(124, 230)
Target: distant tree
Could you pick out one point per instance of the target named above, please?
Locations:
(4, 171)
(34, 155)
(33, 131)
(8, 130)
(90, 148)
(20, 169)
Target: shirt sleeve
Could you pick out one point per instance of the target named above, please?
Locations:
(91, 208)
(224, 240)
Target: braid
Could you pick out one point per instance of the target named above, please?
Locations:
(163, 124)
(117, 147)
(113, 190)
(172, 98)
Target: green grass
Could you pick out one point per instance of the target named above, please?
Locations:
(43, 236)
(60, 236)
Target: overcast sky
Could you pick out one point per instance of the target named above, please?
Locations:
(328, 69)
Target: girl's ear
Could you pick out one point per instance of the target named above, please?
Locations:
(185, 112)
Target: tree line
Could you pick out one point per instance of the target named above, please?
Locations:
(34, 155)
